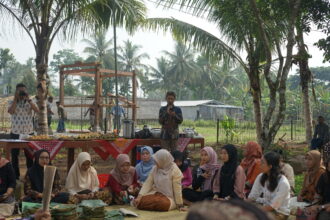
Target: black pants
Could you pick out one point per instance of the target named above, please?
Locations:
(196, 196)
(14, 157)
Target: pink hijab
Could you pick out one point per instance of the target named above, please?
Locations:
(211, 166)
(125, 179)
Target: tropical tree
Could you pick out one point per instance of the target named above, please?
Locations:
(303, 25)
(130, 59)
(160, 77)
(182, 66)
(260, 29)
(99, 46)
(44, 20)
(5, 57)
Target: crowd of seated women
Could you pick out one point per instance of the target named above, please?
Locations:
(164, 181)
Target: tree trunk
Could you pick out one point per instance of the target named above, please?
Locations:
(42, 51)
(256, 96)
(305, 78)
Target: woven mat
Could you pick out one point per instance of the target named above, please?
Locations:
(148, 215)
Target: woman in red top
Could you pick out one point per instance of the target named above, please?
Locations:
(123, 180)
(251, 164)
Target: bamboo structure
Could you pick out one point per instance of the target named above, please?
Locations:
(94, 70)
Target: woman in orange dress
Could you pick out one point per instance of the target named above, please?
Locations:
(251, 164)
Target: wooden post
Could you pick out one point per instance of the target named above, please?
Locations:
(97, 97)
(101, 99)
(61, 86)
(134, 87)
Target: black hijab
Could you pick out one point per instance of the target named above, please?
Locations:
(178, 155)
(36, 172)
(227, 173)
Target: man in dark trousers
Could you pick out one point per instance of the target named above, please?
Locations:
(170, 117)
(321, 134)
(21, 110)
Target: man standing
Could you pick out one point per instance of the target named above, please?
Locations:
(321, 134)
(21, 122)
(61, 118)
(91, 111)
(50, 113)
(170, 117)
(117, 114)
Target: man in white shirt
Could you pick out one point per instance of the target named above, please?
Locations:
(21, 122)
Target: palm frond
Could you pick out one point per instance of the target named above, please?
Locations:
(201, 39)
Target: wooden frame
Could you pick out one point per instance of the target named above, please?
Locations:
(94, 70)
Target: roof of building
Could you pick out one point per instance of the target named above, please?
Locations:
(224, 106)
(194, 103)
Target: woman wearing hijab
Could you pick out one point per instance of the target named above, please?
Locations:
(322, 209)
(7, 187)
(230, 179)
(82, 181)
(34, 181)
(183, 165)
(312, 176)
(251, 163)
(271, 188)
(123, 180)
(144, 167)
(203, 177)
(162, 190)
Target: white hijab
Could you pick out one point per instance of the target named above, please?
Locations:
(163, 175)
(79, 180)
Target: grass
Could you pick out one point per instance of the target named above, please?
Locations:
(299, 179)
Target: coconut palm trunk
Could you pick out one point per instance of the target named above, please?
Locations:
(305, 79)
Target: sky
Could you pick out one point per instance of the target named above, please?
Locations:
(152, 43)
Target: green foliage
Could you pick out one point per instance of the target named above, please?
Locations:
(299, 180)
(228, 125)
(30, 81)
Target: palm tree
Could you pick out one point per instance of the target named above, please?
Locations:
(258, 29)
(182, 66)
(160, 75)
(130, 59)
(99, 47)
(44, 20)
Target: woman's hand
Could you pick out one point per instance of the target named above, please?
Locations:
(206, 175)
(42, 215)
(91, 195)
(4, 196)
(131, 189)
(137, 201)
(82, 196)
(39, 195)
(312, 210)
(181, 208)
